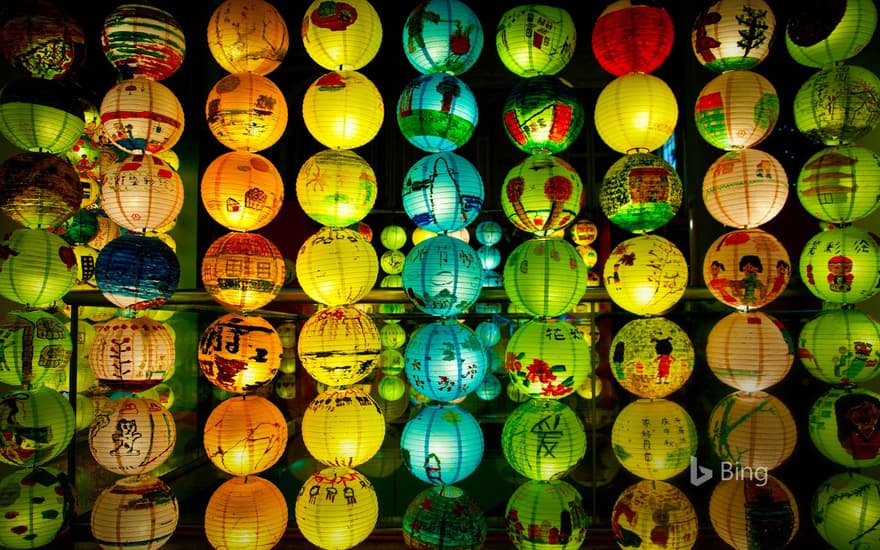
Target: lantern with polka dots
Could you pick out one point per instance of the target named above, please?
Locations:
(40, 505)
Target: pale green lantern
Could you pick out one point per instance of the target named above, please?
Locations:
(547, 358)
(543, 439)
(545, 277)
(546, 514)
(844, 426)
(841, 346)
(845, 509)
(823, 33)
(840, 184)
(831, 107)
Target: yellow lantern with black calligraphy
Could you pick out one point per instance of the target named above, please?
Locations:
(749, 351)
(646, 275)
(335, 521)
(245, 435)
(842, 265)
(654, 515)
(654, 438)
(343, 427)
(339, 345)
(242, 191)
(246, 112)
(543, 439)
(133, 435)
(336, 266)
(246, 512)
(247, 36)
(651, 357)
(239, 353)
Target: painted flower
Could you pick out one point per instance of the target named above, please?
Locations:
(539, 371)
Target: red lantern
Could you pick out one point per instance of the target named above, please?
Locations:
(632, 37)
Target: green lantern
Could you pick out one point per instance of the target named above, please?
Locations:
(547, 358)
(546, 514)
(545, 277)
(823, 33)
(841, 346)
(36, 425)
(535, 39)
(38, 267)
(336, 187)
(543, 114)
(40, 115)
(542, 194)
(543, 439)
(652, 357)
(36, 346)
(444, 518)
(842, 265)
(840, 184)
(845, 509)
(831, 106)
(640, 192)
(752, 430)
(437, 112)
(654, 438)
(845, 426)
(38, 505)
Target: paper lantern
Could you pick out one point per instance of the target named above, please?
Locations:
(746, 268)
(42, 40)
(40, 115)
(143, 40)
(40, 505)
(336, 266)
(546, 514)
(331, 522)
(444, 360)
(490, 257)
(343, 110)
(242, 191)
(840, 184)
(754, 513)
(38, 189)
(489, 388)
(141, 116)
(636, 111)
(393, 237)
(245, 435)
(749, 351)
(443, 518)
(841, 265)
(336, 187)
(343, 427)
(36, 346)
(392, 261)
(136, 512)
(543, 439)
(341, 36)
(131, 354)
(830, 107)
(141, 193)
(545, 277)
(38, 267)
(819, 35)
(392, 388)
(843, 425)
(84, 155)
(736, 110)
(86, 258)
(107, 231)
(137, 272)
(132, 435)
(243, 271)
(91, 190)
(246, 512)
(339, 345)
(391, 362)
(547, 358)
(752, 431)
(631, 37)
(733, 34)
(840, 346)
(645, 275)
(489, 233)
(535, 39)
(542, 194)
(437, 112)
(247, 36)
(35, 427)
(246, 112)
(79, 228)
(652, 357)
(844, 508)
(654, 438)
(442, 36)
(543, 114)
(654, 515)
(640, 192)
(239, 353)
(745, 188)
(442, 192)
(442, 444)
(442, 276)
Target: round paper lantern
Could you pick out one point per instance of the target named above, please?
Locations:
(543, 114)
(745, 188)
(36, 425)
(830, 107)
(393, 237)
(749, 351)
(840, 184)
(489, 388)
(141, 193)
(535, 39)
(84, 155)
(746, 268)
(437, 112)
(331, 522)
(40, 115)
(137, 272)
(132, 435)
(336, 187)
(632, 37)
(86, 258)
(640, 192)
(651, 357)
(736, 109)
(132, 353)
(242, 191)
(339, 345)
(752, 431)
(36, 346)
(79, 228)
(343, 427)
(42, 40)
(442, 276)
(243, 271)
(246, 512)
(841, 346)
(842, 265)
(844, 426)
(392, 261)
(239, 353)
(754, 513)
(636, 111)
(546, 514)
(654, 438)
(443, 518)
(247, 36)
(107, 231)
(545, 277)
(547, 358)
(543, 439)
(654, 515)
(392, 388)
(246, 112)
(489, 233)
(442, 36)
(733, 34)
(38, 189)
(391, 362)
(442, 444)
(38, 267)
(343, 110)
(444, 360)
(40, 505)
(143, 40)
(844, 509)
(646, 275)
(141, 116)
(245, 435)
(341, 36)
(336, 266)
(136, 512)
(542, 194)
(823, 34)
(490, 257)
(583, 232)
(442, 192)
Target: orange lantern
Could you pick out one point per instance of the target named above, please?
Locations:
(745, 188)
(242, 191)
(246, 512)
(247, 36)
(239, 353)
(245, 435)
(131, 353)
(133, 435)
(753, 512)
(749, 351)
(246, 112)
(746, 268)
(752, 430)
(339, 345)
(140, 116)
(243, 271)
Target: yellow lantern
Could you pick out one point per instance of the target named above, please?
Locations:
(336, 188)
(733, 34)
(343, 109)
(752, 430)
(336, 266)
(341, 35)
(247, 36)
(243, 271)
(334, 521)
(246, 512)
(736, 109)
(745, 188)
(36, 347)
(131, 353)
(755, 511)
(136, 512)
(339, 345)
(535, 39)
(636, 111)
(654, 438)
(39, 506)
(38, 267)
(545, 277)
(132, 435)
(646, 275)
(749, 351)
(652, 357)
(246, 112)
(239, 353)
(245, 435)
(242, 191)
(654, 515)
(343, 427)
(840, 184)
(141, 193)
(141, 116)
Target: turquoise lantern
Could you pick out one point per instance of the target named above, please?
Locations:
(445, 360)
(442, 276)
(437, 112)
(442, 444)
(442, 36)
(135, 271)
(488, 233)
(443, 192)
(543, 114)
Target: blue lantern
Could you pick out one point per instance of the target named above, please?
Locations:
(442, 445)
(442, 36)
(445, 360)
(489, 388)
(437, 112)
(490, 257)
(489, 333)
(489, 233)
(137, 272)
(442, 276)
(442, 192)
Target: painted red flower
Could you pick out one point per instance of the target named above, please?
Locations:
(555, 390)
(512, 364)
(539, 371)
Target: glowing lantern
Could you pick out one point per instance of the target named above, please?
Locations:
(38, 189)
(547, 358)
(636, 111)
(243, 271)
(84, 155)
(489, 388)
(819, 35)
(40, 506)
(651, 357)
(442, 192)
(736, 110)
(135, 436)
(38, 269)
(841, 346)
(37, 427)
(36, 346)
(545, 277)
(247, 36)
(339, 345)
(754, 512)
(632, 37)
(542, 194)
(749, 351)
(542, 114)
(640, 192)
(442, 444)
(131, 354)
(391, 262)
(246, 112)
(840, 184)
(343, 427)
(546, 514)
(733, 34)
(442, 276)
(141, 193)
(829, 107)
(343, 110)
(141, 116)
(543, 439)
(654, 438)
(143, 40)
(445, 360)
(392, 388)
(336, 266)
(534, 39)
(136, 512)
(844, 508)
(341, 35)
(443, 518)
(843, 426)
(442, 36)
(654, 515)
(752, 430)
(646, 275)
(331, 522)
(745, 188)
(40, 115)
(42, 40)
(137, 272)
(393, 237)
(391, 362)
(437, 112)
(91, 190)
(107, 231)
(242, 191)
(489, 233)
(246, 512)
(79, 228)
(336, 187)
(842, 265)
(239, 353)
(245, 435)
(490, 257)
